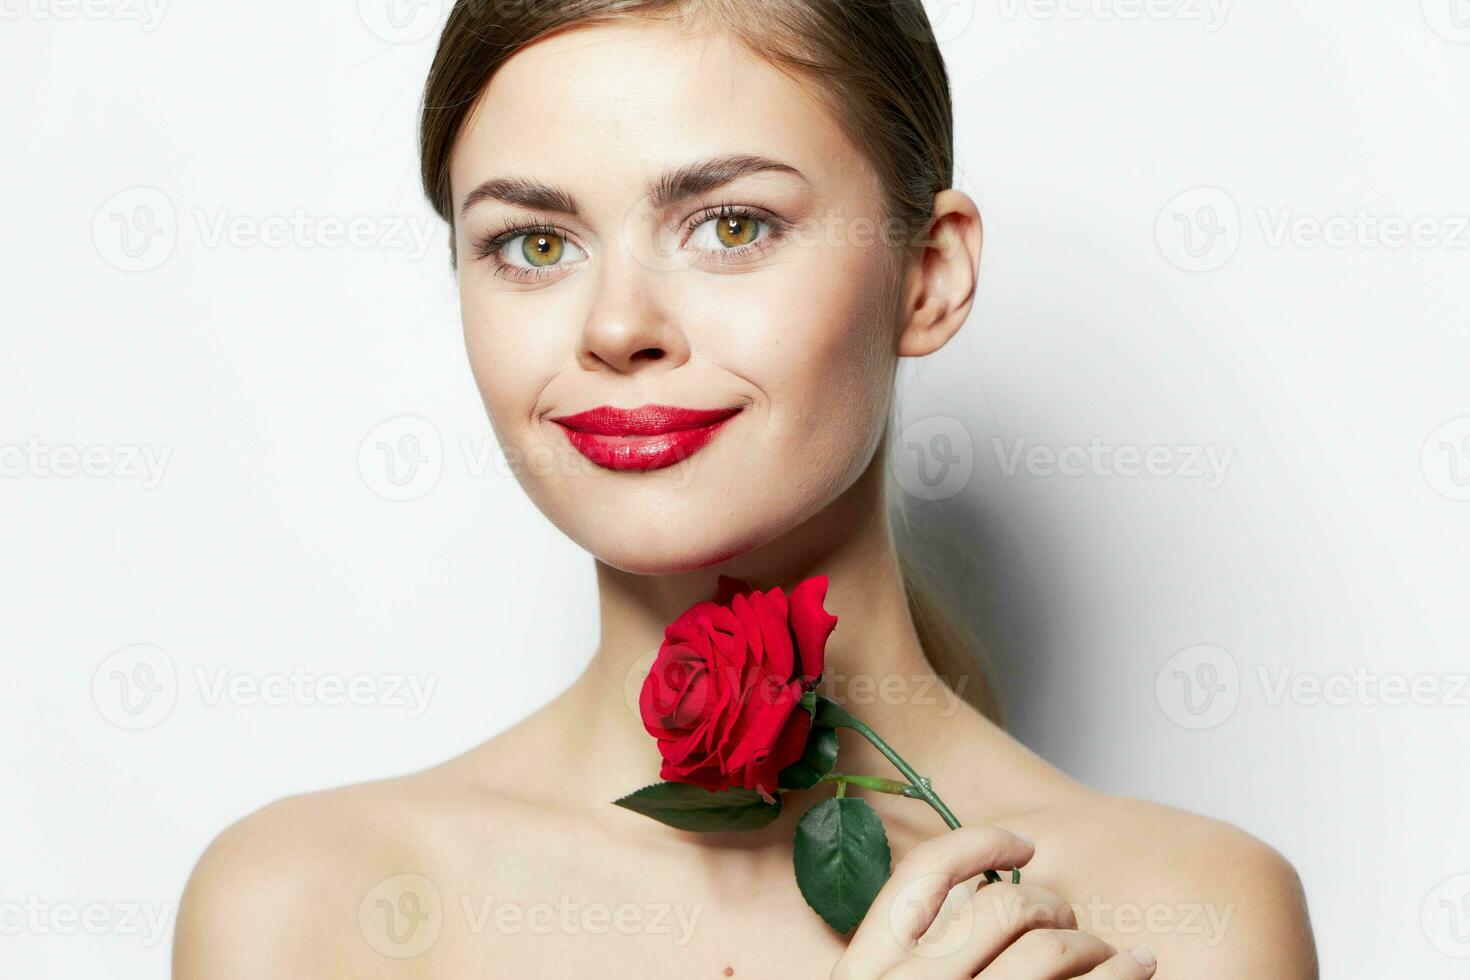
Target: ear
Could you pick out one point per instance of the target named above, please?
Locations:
(941, 282)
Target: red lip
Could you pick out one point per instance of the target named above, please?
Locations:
(646, 438)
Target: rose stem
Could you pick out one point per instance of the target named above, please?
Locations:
(875, 783)
(832, 714)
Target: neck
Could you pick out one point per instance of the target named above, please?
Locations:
(875, 665)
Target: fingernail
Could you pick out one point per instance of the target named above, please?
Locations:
(1026, 839)
(1144, 955)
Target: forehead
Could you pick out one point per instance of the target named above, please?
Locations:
(606, 107)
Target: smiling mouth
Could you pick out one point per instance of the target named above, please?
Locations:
(647, 438)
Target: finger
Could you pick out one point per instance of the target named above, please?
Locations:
(970, 932)
(911, 898)
(1138, 963)
(1049, 954)
(999, 915)
(961, 941)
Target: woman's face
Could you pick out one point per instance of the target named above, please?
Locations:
(589, 278)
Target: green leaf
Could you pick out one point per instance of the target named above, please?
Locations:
(842, 859)
(690, 807)
(829, 713)
(816, 762)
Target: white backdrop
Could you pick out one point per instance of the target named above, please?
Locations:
(1227, 253)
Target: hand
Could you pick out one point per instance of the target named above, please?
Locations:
(996, 932)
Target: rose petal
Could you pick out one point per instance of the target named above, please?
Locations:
(811, 625)
(776, 629)
(759, 727)
(744, 609)
(789, 747)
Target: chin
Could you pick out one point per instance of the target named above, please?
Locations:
(646, 540)
(648, 555)
(682, 520)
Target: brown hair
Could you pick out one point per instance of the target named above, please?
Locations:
(877, 69)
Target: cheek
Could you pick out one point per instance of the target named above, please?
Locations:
(512, 354)
(829, 366)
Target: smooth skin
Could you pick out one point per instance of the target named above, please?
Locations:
(509, 860)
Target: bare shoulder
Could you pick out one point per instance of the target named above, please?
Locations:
(311, 885)
(267, 896)
(1210, 898)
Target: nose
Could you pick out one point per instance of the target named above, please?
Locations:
(630, 328)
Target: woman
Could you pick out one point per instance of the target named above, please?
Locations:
(693, 240)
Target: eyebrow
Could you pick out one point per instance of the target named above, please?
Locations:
(674, 186)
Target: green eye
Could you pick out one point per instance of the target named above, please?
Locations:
(543, 250)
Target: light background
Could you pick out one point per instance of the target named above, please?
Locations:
(1330, 376)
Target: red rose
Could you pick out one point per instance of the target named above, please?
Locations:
(724, 695)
